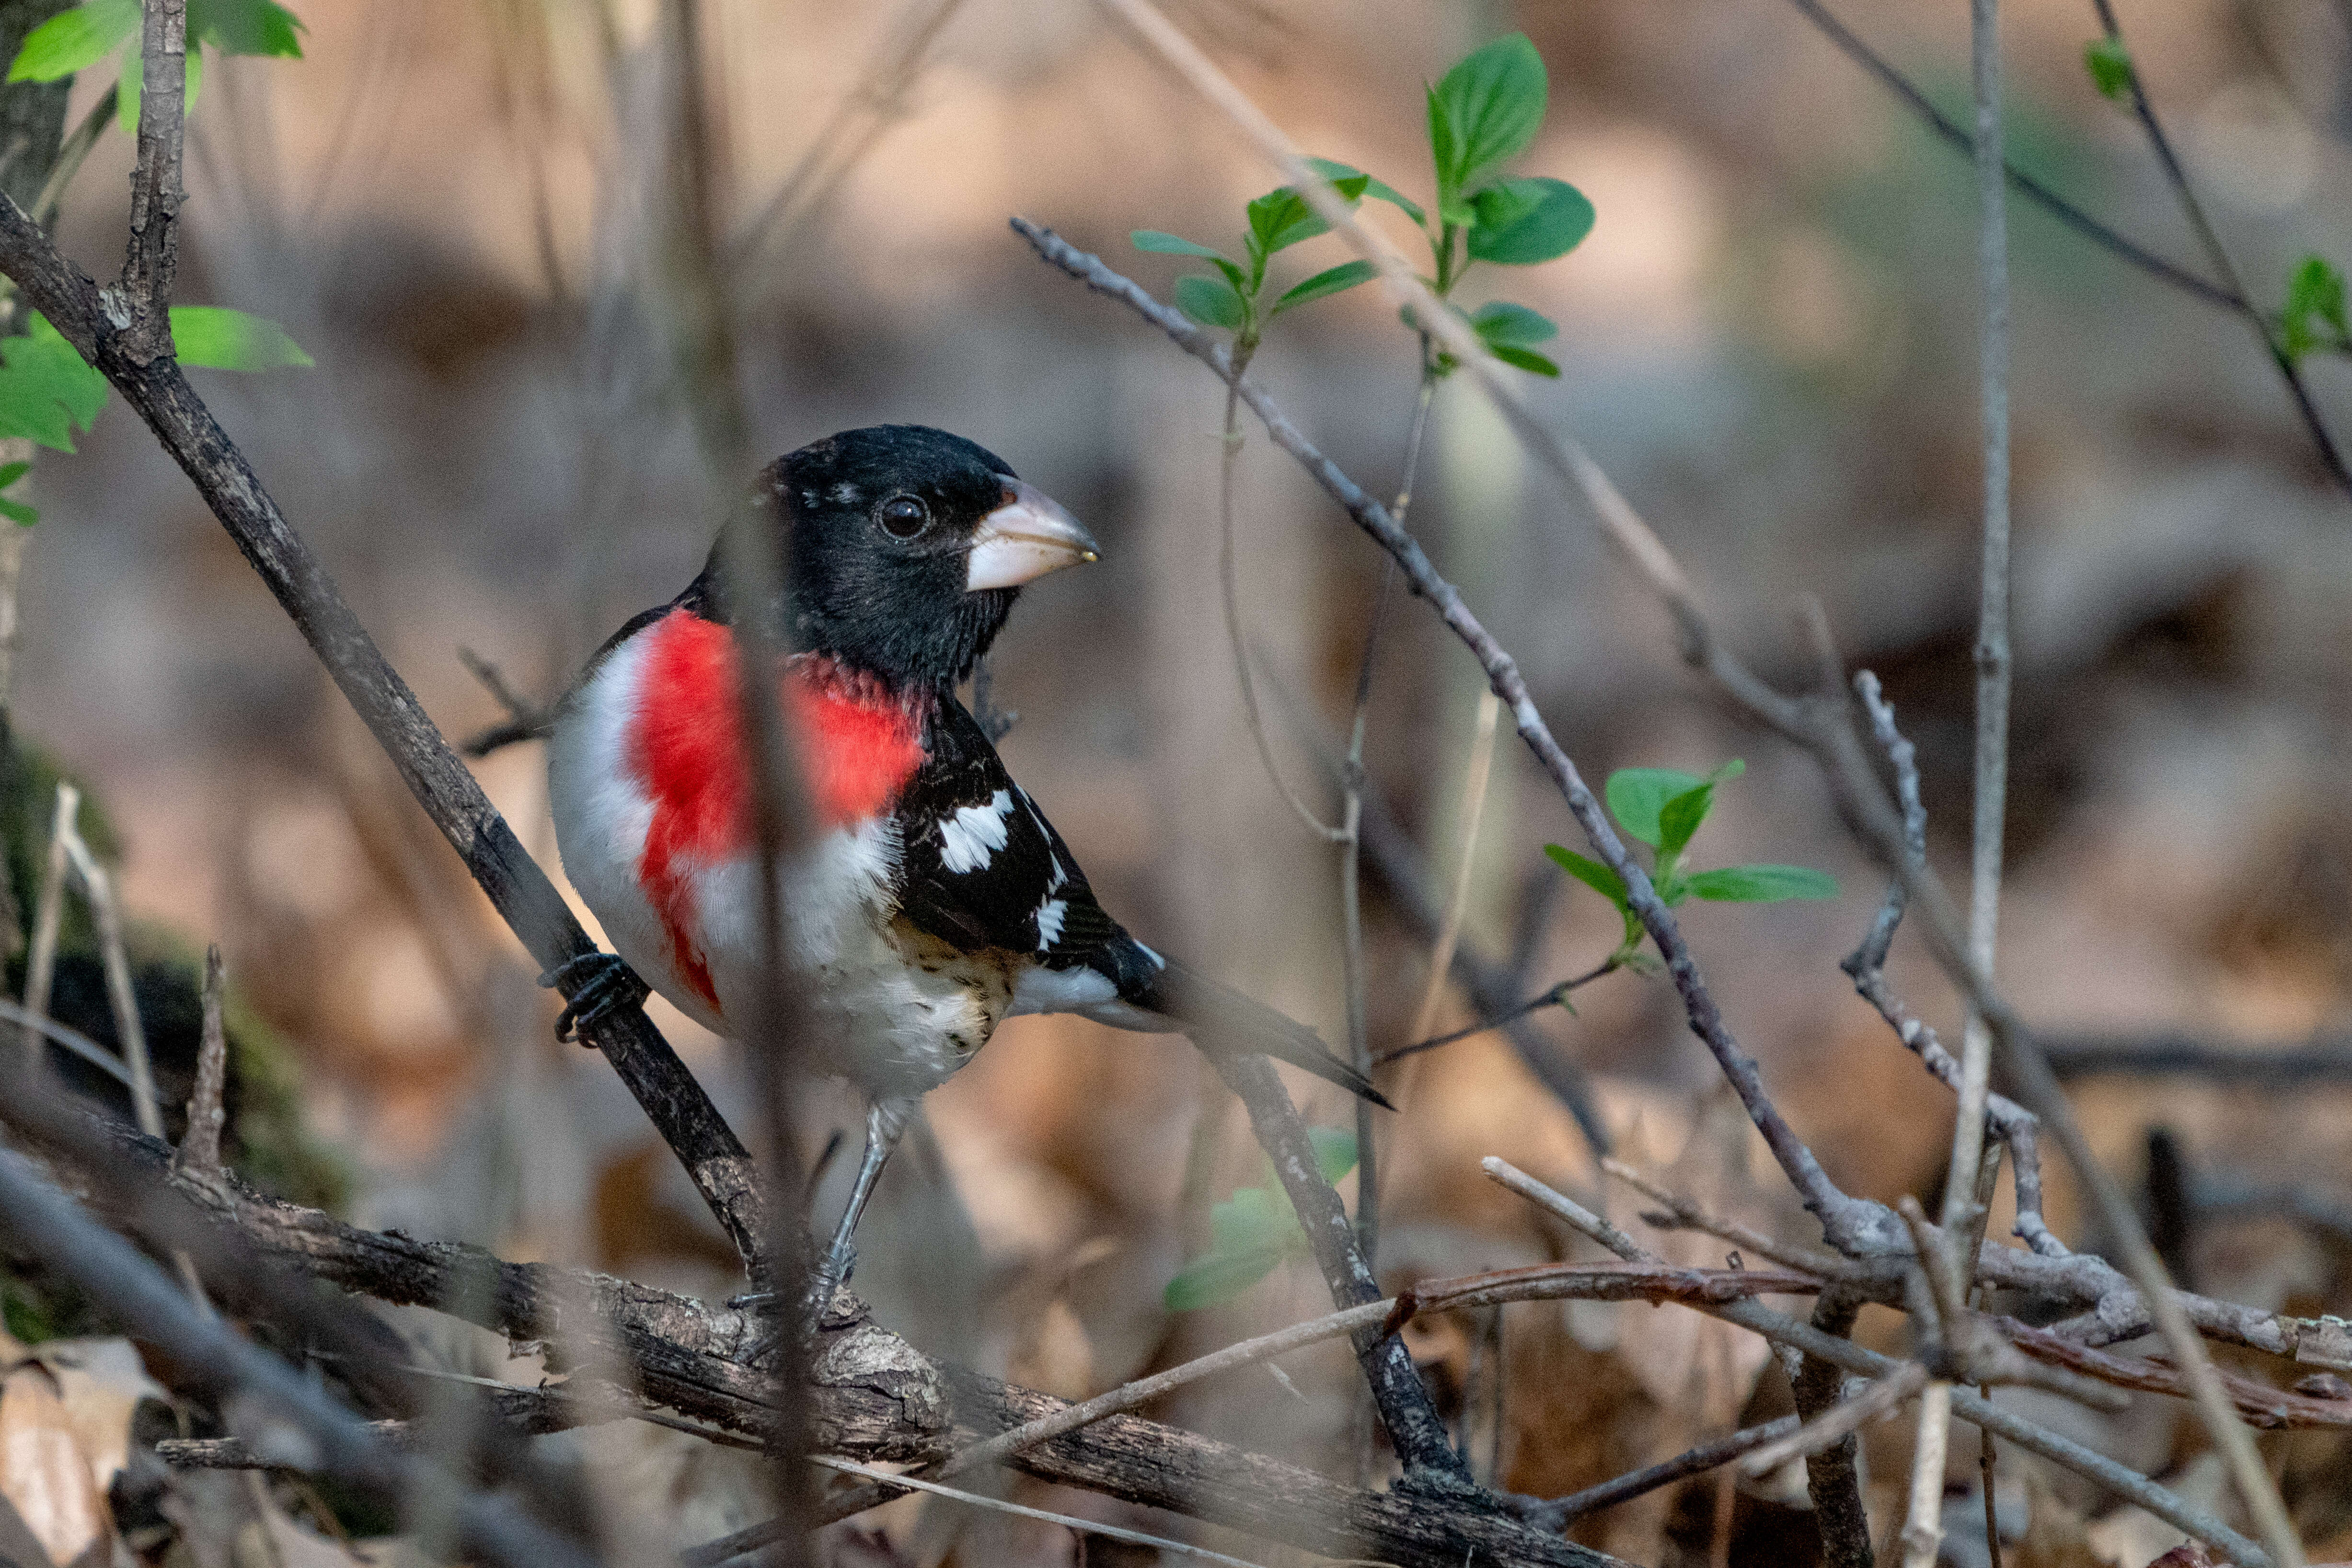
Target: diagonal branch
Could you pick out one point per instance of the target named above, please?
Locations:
(714, 1157)
(1415, 1429)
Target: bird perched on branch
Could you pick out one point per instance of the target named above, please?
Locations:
(929, 898)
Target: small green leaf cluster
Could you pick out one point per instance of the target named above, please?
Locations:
(1253, 1230)
(1277, 220)
(74, 40)
(2314, 316)
(47, 391)
(1483, 113)
(1663, 808)
(2110, 66)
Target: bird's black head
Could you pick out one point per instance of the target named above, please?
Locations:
(907, 546)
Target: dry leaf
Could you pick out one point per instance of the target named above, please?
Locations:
(45, 1473)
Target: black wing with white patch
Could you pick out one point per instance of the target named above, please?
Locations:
(980, 866)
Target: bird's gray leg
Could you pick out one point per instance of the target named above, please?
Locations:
(886, 1122)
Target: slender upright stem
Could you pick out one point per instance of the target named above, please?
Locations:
(1922, 1533)
(152, 258)
(1352, 910)
(1229, 592)
(49, 911)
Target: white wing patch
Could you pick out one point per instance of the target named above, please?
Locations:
(1049, 921)
(969, 839)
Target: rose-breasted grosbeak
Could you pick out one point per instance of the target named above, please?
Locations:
(934, 898)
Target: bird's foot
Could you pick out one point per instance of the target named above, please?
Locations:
(825, 1281)
(605, 983)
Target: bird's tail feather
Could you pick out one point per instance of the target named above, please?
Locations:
(1219, 1018)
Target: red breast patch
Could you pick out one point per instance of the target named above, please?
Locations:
(858, 747)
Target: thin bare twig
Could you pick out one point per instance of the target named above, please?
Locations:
(1949, 1271)
(1682, 1211)
(73, 1040)
(1875, 1402)
(97, 888)
(1555, 997)
(1473, 808)
(1368, 1168)
(1229, 596)
(1560, 1513)
(2050, 201)
(49, 912)
(2016, 1127)
(200, 1149)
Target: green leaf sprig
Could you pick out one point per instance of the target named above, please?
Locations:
(1277, 220)
(1663, 808)
(1483, 113)
(1253, 1231)
(73, 41)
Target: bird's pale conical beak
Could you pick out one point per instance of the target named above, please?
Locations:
(1025, 538)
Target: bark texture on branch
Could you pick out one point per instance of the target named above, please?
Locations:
(871, 1394)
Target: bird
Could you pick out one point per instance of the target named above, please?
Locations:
(930, 896)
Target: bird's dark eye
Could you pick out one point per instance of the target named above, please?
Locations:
(903, 516)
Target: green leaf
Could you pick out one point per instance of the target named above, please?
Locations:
(1762, 884)
(1333, 170)
(215, 338)
(1335, 1153)
(10, 473)
(1504, 324)
(17, 511)
(1210, 302)
(2110, 66)
(246, 27)
(1636, 796)
(1338, 279)
(2314, 290)
(1591, 873)
(1680, 817)
(1280, 219)
(1216, 1278)
(1253, 1219)
(1526, 358)
(74, 40)
(46, 391)
(1165, 244)
(1444, 149)
(1523, 222)
(1494, 102)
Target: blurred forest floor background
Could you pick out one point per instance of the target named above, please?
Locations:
(1768, 340)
